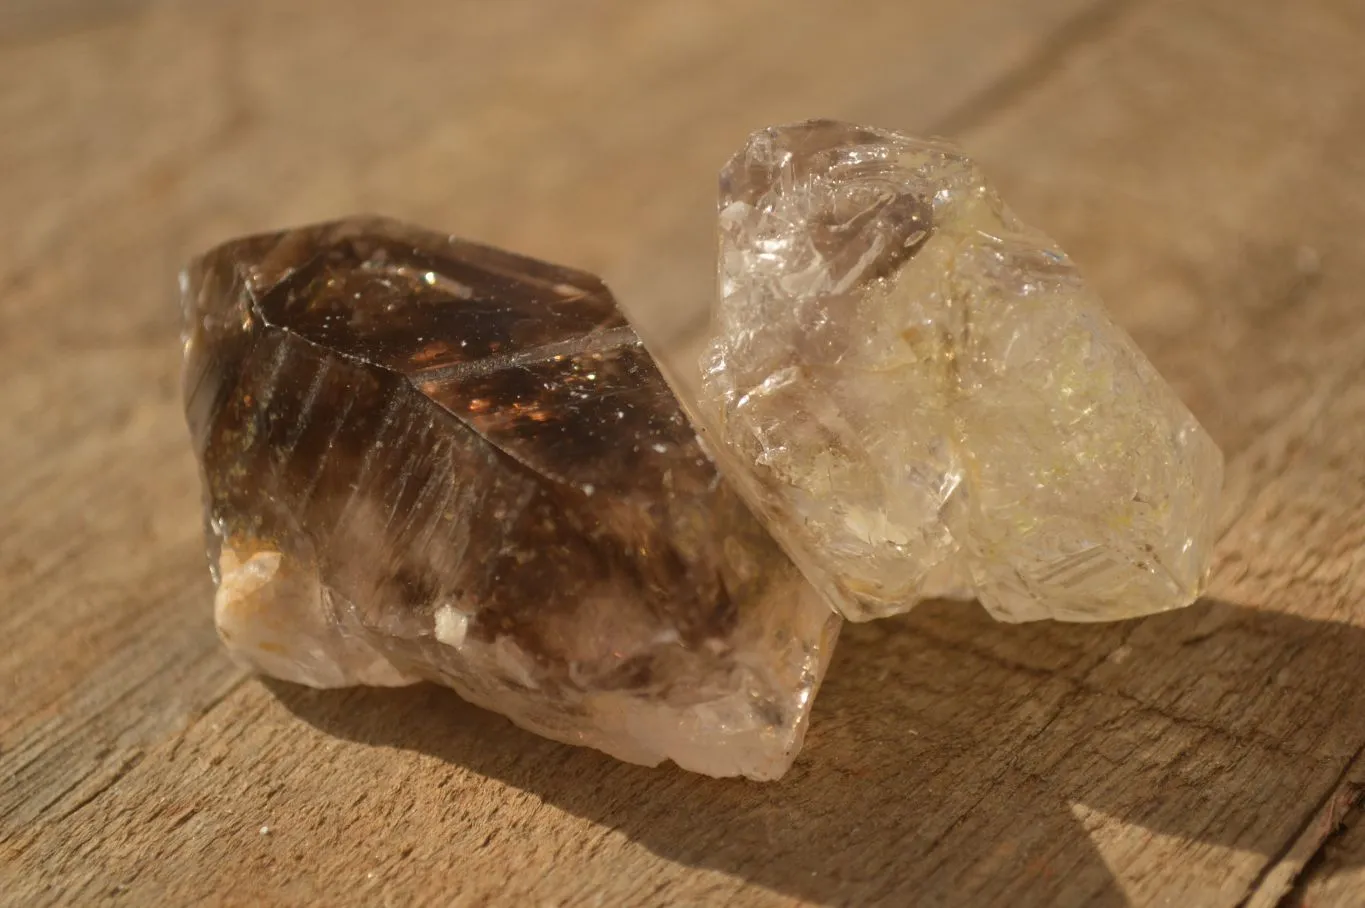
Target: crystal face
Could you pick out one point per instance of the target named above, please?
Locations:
(922, 398)
(428, 459)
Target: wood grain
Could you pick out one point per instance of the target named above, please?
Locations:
(1200, 158)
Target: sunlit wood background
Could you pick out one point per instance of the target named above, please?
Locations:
(1202, 159)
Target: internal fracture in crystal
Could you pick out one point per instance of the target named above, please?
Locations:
(427, 459)
(922, 398)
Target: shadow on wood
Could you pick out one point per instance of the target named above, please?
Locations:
(984, 790)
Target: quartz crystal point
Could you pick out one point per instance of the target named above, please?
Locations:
(428, 459)
(922, 398)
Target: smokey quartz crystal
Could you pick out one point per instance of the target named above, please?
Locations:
(424, 458)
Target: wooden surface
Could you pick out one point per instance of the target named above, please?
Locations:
(1201, 158)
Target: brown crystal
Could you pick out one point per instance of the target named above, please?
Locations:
(426, 458)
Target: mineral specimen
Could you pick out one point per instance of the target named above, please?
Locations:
(922, 398)
(428, 459)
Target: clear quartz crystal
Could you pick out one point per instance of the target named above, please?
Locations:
(922, 398)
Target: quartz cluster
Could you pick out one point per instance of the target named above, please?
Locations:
(427, 459)
(922, 398)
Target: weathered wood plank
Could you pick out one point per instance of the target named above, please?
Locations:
(135, 144)
(1200, 158)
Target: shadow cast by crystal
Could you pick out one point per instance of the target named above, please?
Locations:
(1014, 740)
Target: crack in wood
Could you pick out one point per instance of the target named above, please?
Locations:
(1343, 809)
(1285, 873)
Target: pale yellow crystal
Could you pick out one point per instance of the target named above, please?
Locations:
(922, 398)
